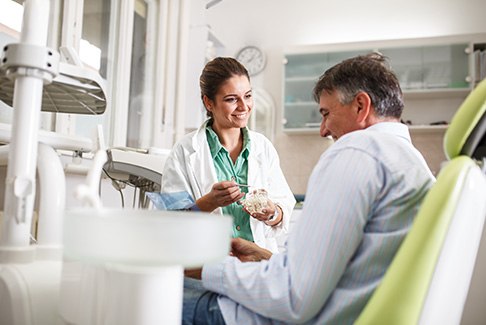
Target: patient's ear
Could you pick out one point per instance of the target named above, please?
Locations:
(363, 106)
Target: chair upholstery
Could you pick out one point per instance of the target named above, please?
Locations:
(466, 134)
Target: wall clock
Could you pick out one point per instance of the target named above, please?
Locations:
(252, 58)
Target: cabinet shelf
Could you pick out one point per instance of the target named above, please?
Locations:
(414, 129)
(427, 128)
(302, 131)
(435, 74)
(410, 94)
(435, 92)
(301, 79)
(300, 104)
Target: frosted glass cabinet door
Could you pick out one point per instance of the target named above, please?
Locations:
(430, 67)
(434, 70)
(301, 73)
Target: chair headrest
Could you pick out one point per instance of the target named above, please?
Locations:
(466, 135)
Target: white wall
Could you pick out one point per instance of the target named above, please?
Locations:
(276, 24)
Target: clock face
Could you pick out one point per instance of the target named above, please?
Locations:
(252, 58)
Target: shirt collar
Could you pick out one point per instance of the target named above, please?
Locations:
(395, 128)
(215, 146)
(246, 143)
(213, 141)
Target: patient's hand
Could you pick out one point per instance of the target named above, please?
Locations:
(193, 273)
(247, 251)
(244, 250)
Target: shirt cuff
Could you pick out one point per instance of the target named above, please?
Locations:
(212, 275)
(193, 207)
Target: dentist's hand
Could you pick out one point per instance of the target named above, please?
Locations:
(222, 194)
(271, 215)
(265, 213)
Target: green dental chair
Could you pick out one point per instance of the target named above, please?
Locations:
(429, 280)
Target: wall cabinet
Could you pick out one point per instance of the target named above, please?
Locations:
(435, 74)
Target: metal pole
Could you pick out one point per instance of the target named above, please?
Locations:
(20, 182)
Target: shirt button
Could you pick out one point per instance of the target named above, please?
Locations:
(238, 228)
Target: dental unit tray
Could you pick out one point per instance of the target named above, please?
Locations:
(76, 90)
(138, 166)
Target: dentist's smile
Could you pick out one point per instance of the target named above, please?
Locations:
(240, 115)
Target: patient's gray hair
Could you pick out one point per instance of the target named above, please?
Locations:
(369, 73)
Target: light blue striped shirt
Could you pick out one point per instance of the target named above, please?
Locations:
(360, 202)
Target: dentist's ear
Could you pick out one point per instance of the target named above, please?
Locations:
(207, 103)
(363, 106)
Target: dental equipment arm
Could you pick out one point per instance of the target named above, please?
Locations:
(88, 193)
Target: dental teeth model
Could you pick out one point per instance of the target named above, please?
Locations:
(256, 201)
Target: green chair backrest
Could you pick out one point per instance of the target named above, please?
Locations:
(400, 296)
(468, 126)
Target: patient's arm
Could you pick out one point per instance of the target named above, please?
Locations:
(244, 250)
(247, 251)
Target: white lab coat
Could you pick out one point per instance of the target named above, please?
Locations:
(190, 168)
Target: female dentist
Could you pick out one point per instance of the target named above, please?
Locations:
(212, 162)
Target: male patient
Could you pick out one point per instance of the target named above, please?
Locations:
(361, 200)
